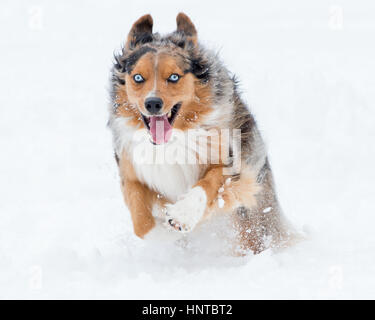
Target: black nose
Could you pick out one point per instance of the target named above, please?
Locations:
(153, 105)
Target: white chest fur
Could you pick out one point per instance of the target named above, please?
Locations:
(171, 169)
(170, 180)
(165, 168)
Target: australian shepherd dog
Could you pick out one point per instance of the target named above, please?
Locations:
(186, 145)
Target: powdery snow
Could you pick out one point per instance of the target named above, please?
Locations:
(306, 70)
(220, 202)
(267, 210)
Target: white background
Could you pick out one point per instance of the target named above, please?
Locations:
(307, 71)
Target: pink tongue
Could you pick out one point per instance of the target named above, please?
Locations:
(160, 129)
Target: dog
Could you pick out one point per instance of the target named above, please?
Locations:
(168, 94)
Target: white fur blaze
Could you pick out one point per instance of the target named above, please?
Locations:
(187, 211)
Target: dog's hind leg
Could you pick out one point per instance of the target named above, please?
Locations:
(264, 225)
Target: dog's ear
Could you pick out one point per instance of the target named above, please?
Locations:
(141, 32)
(185, 26)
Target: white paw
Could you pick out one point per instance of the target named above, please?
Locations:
(187, 211)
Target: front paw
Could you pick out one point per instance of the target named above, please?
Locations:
(188, 211)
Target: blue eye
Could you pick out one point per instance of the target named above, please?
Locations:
(138, 78)
(174, 77)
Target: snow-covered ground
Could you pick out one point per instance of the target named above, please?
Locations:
(307, 70)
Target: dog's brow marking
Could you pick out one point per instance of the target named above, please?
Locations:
(153, 90)
(135, 56)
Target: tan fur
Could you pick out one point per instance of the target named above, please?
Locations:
(156, 69)
(138, 197)
(234, 192)
(240, 191)
(126, 109)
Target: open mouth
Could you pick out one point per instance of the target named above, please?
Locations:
(160, 127)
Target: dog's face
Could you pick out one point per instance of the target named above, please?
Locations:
(158, 86)
(159, 83)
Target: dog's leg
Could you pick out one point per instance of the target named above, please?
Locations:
(191, 207)
(139, 201)
(138, 197)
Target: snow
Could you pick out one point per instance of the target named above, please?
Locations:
(220, 202)
(267, 210)
(307, 71)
